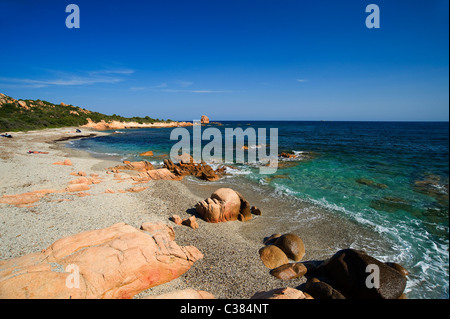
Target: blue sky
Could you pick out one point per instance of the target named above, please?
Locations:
(231, 60)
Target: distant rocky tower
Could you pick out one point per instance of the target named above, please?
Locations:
(204, 119)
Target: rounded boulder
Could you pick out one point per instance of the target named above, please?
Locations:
(272, 256)
(291, 245)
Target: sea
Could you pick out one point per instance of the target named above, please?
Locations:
(392, 177)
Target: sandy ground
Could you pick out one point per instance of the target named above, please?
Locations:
(231, 267)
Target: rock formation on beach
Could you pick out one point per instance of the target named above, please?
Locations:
(347, 271)
(204, 119)
(225, 204)
(346, 274)
(202, 171)
(116, 262)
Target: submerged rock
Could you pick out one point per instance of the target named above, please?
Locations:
(393, 205)
(368, 182)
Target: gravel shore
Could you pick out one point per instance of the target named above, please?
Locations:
(231, 267)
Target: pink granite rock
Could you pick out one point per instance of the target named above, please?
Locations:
(115, 262)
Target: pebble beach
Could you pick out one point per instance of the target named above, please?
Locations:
(231, 267)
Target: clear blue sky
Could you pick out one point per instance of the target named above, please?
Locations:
(231, 59)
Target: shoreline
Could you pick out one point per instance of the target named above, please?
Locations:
(231, 267)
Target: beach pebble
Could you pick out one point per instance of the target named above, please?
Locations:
(176, 219)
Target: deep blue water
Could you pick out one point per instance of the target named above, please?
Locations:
(392, 176)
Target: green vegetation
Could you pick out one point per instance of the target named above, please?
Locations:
(42, 114)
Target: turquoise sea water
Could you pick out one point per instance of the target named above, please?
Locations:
(392, 176)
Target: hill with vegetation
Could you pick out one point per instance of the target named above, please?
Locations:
(25, 115)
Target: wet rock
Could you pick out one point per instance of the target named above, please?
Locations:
(288, 155)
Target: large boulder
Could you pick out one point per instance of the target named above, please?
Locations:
(348, 272)
(116, 262)
(292, 245)
(272, 256)
(225, 204)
